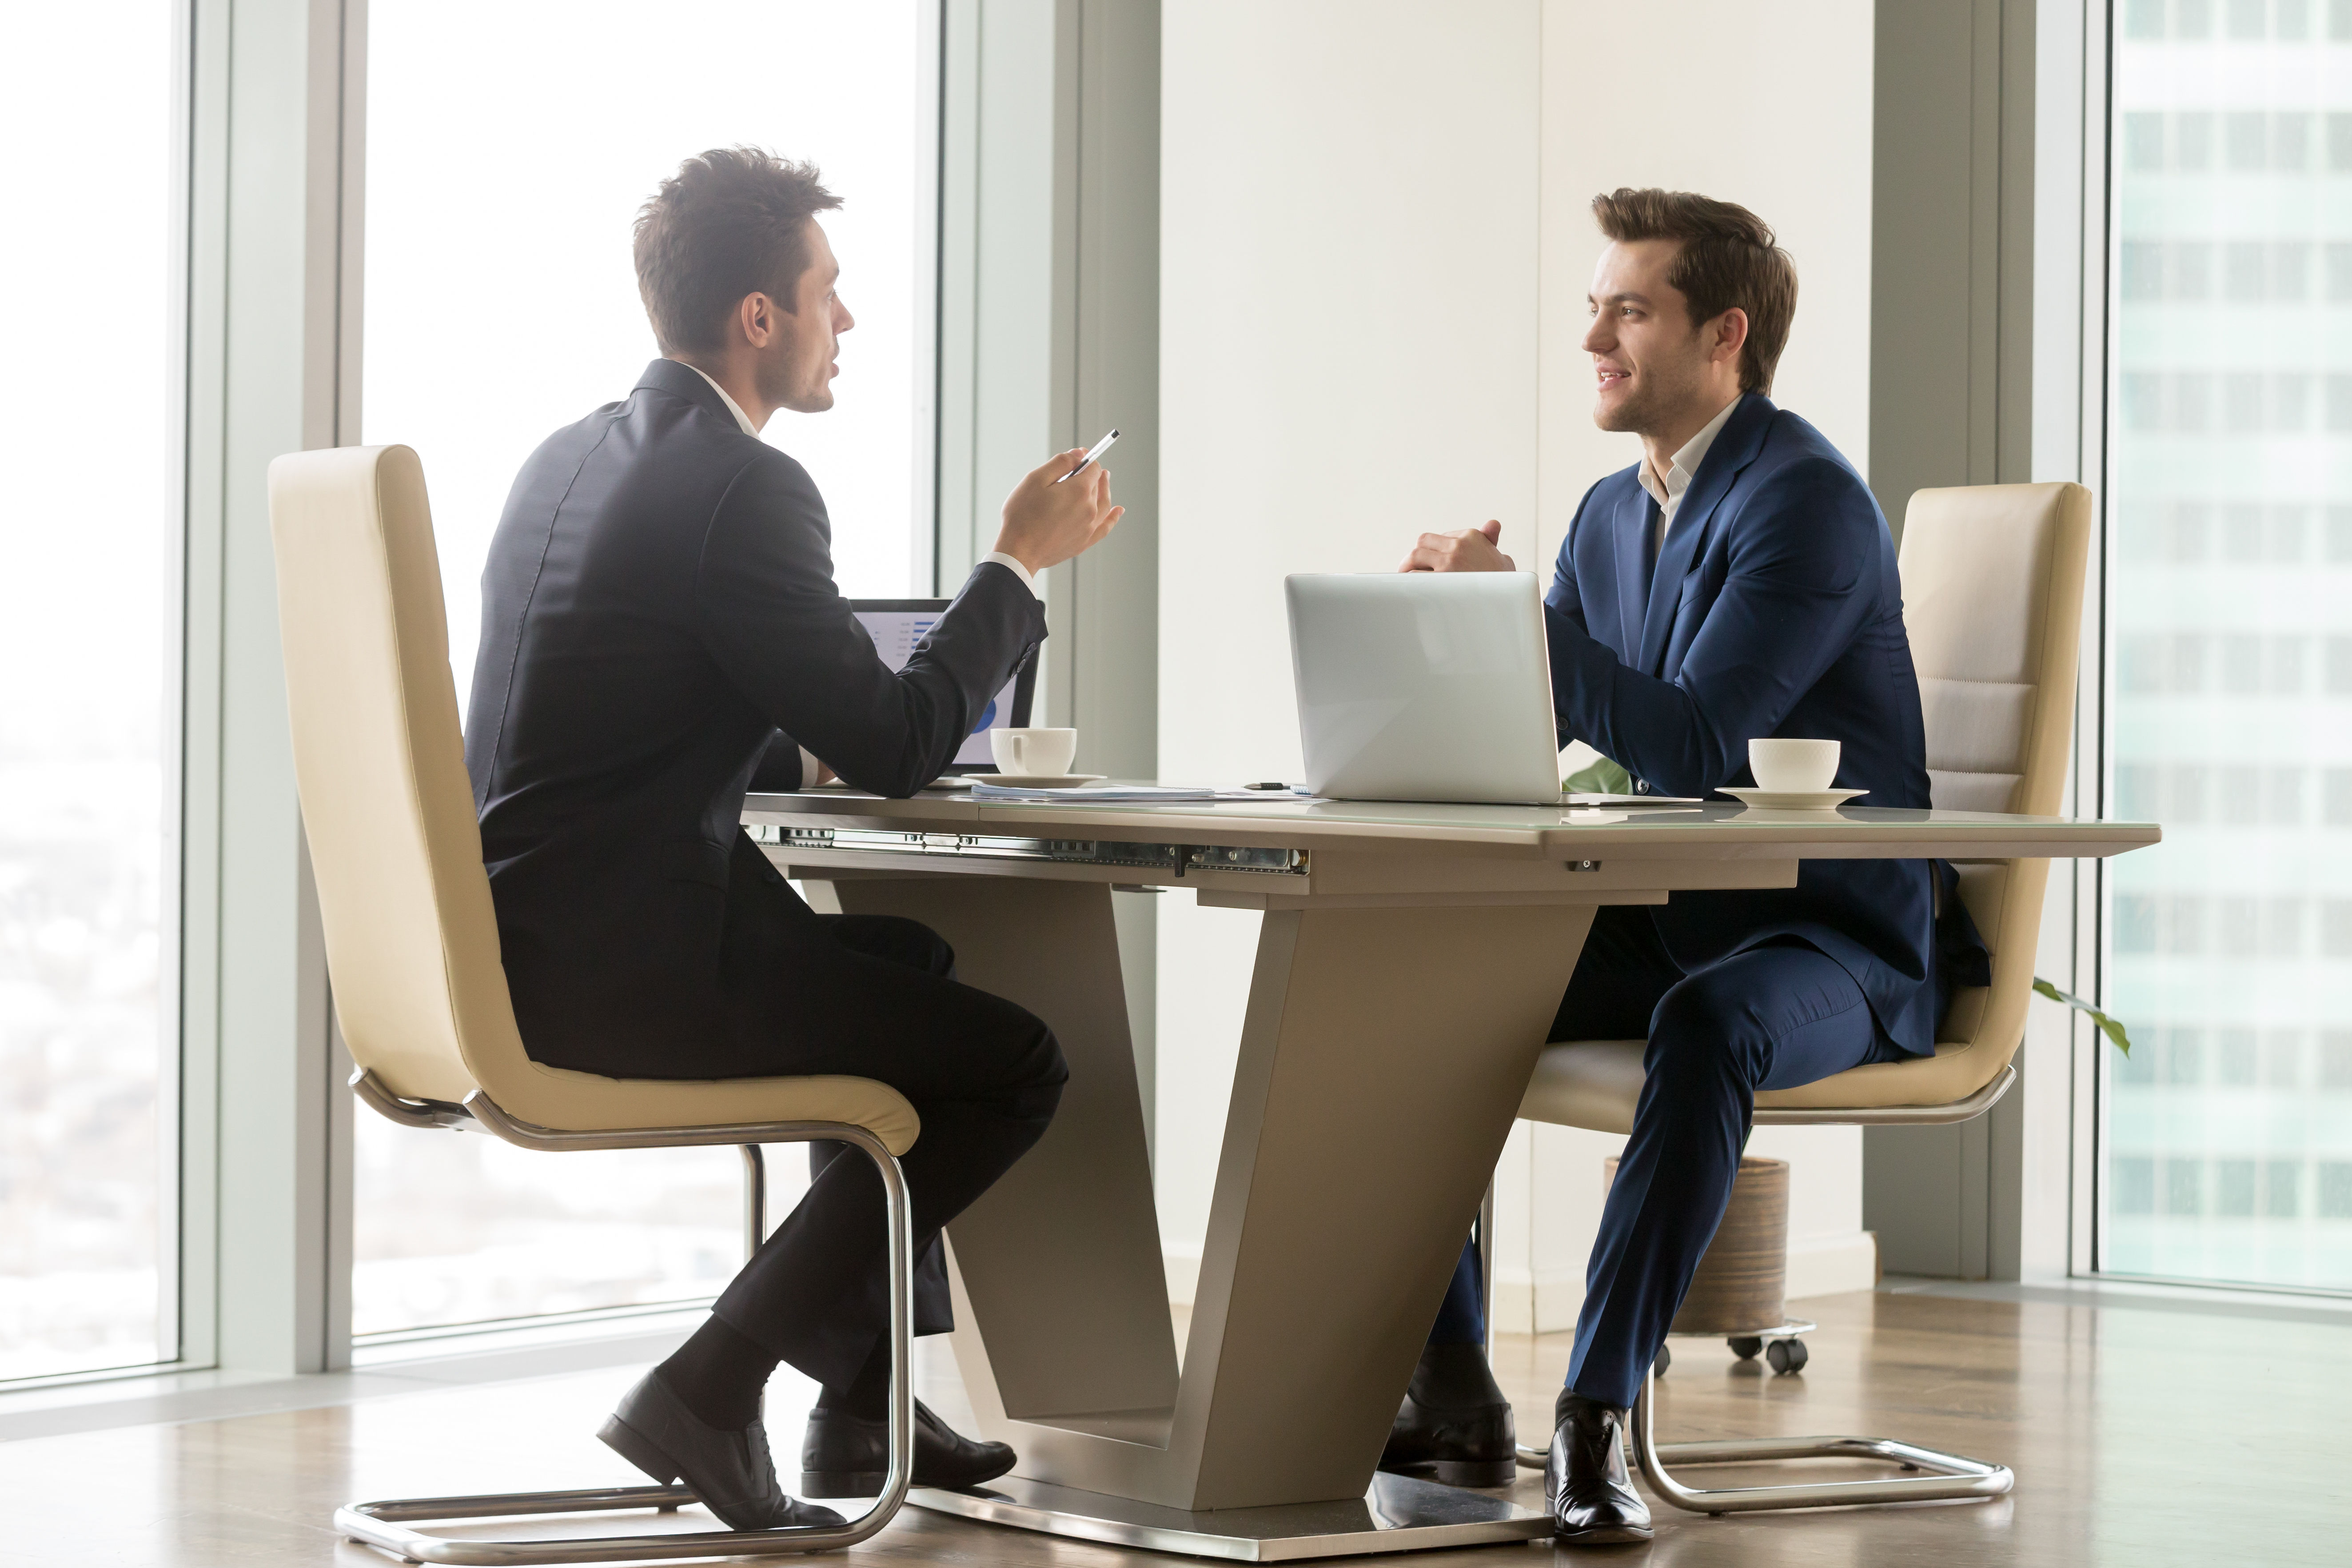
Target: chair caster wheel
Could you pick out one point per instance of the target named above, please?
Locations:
(1746, 1348)
(1666, 1359)
(1787, 1356)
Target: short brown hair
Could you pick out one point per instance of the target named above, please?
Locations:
(731, 222)
(1728, 260)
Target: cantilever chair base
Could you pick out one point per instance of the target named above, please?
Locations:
(1952, 1475)
(386, 1525)
(1948, 1477)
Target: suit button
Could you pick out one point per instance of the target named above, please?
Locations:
(1640, 786)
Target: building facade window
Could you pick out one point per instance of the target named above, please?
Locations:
(89, 543)
(2227, 1132)
(506, 161)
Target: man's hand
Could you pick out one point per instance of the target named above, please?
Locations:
(1047, 523)
(1463, 550)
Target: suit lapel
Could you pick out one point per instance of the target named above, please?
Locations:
(1734, 450)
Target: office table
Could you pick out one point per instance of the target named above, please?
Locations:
(1409, 965)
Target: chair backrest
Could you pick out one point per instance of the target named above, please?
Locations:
(380, 764)
(1992, 597)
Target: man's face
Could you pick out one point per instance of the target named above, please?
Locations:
(1651, 358)
(797, 367)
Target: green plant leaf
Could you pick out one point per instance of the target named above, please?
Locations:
(1601, 777)
(2111, 1028)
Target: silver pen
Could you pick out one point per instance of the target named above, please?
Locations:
(1099, 448)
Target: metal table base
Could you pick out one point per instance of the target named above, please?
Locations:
(1398, 1514)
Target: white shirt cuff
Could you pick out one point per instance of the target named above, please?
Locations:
(810, 768)
(1016, 567)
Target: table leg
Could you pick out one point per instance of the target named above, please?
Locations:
(1383, 1055)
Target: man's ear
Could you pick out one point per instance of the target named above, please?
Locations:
(756, 315)
(1730, 334)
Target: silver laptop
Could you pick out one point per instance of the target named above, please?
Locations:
(1424, 685)
(897, 625)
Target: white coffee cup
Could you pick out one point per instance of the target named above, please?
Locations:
(1034, 753)
(1793, 766)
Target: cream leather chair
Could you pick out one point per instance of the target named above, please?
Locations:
(1992, 596)
(413, 955)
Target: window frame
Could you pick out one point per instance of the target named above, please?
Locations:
(183, 1128)
(2102, 400)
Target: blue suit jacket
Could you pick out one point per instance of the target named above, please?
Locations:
(1776, 610)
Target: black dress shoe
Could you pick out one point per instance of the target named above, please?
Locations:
(1474, 1446)
(1592, 1498)
(1455, 1426)
(848, 1455)
(731, 1472)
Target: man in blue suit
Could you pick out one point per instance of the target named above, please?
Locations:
(1738, 582)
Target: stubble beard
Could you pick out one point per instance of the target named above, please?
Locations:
(1658, 394)
(1652, 408)
(809, 393)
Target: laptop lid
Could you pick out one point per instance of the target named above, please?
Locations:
(1424, 685)
(897, 625)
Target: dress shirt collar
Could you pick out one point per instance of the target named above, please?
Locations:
(744, 420)
(1684, 466)
(1009, 562)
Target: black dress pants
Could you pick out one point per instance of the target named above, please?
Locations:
(874, 996)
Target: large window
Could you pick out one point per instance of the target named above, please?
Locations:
(2227, 1152)
(89, 541)
(508, 148)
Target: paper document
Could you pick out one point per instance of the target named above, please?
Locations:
(1094, 792)
(1581, 799)
(1149, 794)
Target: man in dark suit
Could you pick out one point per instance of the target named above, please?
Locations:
(661, 632)
(1737, 583)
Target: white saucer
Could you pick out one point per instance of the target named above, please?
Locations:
(1031, 780)
(1796, 799)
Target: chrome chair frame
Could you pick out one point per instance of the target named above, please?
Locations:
(384, 1525)
(1951, 1475)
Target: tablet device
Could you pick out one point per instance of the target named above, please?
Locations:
(897, 625)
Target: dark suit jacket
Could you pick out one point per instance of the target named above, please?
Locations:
(659, 622)
(1776, 610)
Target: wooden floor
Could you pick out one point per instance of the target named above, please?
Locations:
(2140, 1437)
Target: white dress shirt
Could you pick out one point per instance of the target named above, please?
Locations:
(810, 766)
(1668, 492)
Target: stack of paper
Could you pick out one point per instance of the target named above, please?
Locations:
(1142, 793)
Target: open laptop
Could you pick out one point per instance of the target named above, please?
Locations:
(1424, 685)
(897, 625)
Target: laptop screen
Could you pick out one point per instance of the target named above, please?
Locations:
(897, 625)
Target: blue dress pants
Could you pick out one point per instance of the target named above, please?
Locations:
(1774, 1016)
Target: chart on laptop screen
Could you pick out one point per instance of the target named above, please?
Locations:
(896, 625)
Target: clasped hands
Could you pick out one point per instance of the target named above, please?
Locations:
(1463, 550)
